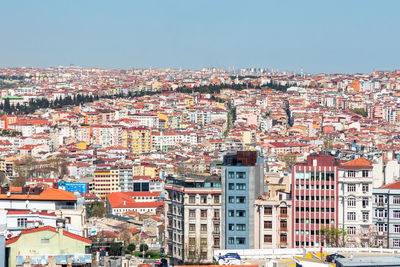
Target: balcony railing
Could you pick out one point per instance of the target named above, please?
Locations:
(282, 229)
(283, 215)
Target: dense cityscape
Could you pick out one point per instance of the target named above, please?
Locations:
(253, 166)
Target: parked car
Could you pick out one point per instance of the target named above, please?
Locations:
(333, 257)
(230, 255)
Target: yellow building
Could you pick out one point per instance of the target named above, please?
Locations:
(136, 139)
(106, 181)
(146, 170)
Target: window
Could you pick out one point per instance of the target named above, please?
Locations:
(192, 227)
(267, 224)
(365, 216)
(351, 230)
(231, 240)
(351, 188)
(240, 213)
(365, 202)
(21, 222)
(351, 216)
(240, 227)
(216, 213)
(192, 213)
(216, 199)
(192, 241)
(365, 173)
(240, 186)
(283, 239)
(192, 199)
(240, 175)
(381, 227)
(203, 228)
(283, 211)
(231, 199)
(231, 227)
(240, 200)
(351, 202)
(283, 226)
(267, 238)
(396, 200)
(203, 213)
(203, 199)
(240, 240)
(45, 241)
(351, 174)
(203, 241)
(365, 188)
(396, 228)
(231, 213)
(396, 243)
(268, 211)
(216, 228)
(216, 242)
(231, 186)
(231, 175)
(396, 214)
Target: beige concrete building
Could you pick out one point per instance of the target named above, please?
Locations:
(272, 222)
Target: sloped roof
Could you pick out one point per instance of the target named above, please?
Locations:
(47, 228)
(395, 185)
(358, 163)
(47, 194)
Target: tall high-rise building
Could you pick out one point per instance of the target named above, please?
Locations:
(315, 199)
(242, 180)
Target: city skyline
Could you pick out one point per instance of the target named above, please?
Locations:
(318, 37)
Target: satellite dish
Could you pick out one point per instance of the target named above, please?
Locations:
(8, 193)
(36, 224)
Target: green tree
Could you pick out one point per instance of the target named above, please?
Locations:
(131, 247)
(115, 249)
(143, 247)
(333, 237)
(359, 111)
(96, 209)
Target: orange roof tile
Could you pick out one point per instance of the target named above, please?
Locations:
(358, 162)
(47, 228)
(47, 194)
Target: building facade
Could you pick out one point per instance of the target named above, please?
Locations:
(386, 216)
(242, 183)
(192, 209)
(355, 201)
(315, 199)
(273, 223)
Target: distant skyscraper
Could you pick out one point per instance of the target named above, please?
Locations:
(242, 183)
(315, 199)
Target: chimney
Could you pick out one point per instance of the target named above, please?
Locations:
(124, 202)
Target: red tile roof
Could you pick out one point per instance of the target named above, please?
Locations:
(395, 185)
(47, 228)
(357, 162)
(47, 194)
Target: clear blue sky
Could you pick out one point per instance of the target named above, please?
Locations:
(320, 36)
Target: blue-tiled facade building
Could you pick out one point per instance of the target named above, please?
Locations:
(74, 187)
(242, 183)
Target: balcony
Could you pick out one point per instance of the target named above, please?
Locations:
(381, 204)
(216, 219)
(283, 215)
(283, 229)
(216, 233)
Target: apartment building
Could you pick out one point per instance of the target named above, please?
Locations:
(242, 182)
(137, 139)
(315, 199)
(273, 223)
(386, 216)
(192, 212)
(125, 178)
(106, 181)
(355, 201)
